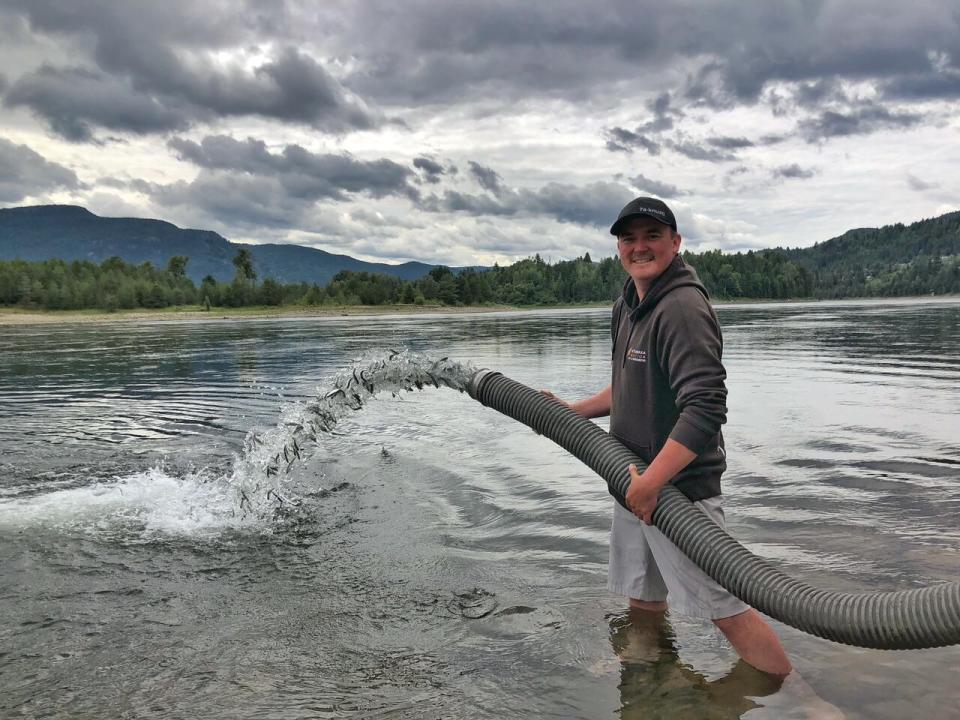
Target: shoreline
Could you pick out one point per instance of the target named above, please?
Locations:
(17, 316)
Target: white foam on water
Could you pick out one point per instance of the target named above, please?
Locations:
(257, 489)
(152, 502)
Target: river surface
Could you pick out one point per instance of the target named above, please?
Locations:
(432, 558)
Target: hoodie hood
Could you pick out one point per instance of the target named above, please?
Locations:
(678, 274)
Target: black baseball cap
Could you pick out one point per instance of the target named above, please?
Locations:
(647, 207)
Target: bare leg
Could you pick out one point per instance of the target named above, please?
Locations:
(658, 606)
(756, 642)
(646, 636)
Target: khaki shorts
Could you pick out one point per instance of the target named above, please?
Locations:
(645, 565)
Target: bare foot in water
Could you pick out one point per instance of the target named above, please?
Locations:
(795, 700)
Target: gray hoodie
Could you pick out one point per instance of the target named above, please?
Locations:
(668, 379)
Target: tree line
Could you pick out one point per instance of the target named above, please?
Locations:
(766, 274)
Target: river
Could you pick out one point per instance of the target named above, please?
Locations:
(442, 560)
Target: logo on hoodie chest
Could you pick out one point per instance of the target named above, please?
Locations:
(637, 355)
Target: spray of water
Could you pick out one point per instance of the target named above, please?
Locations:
(260, 475)
(258, 493)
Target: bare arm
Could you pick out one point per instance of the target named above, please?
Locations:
(642, 494)
(592, 407)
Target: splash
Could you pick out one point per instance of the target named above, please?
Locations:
(260, 476)
(258, 493)
(153, 502)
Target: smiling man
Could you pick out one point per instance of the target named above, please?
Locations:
(667, 401)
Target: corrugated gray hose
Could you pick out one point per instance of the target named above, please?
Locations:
(902, 620)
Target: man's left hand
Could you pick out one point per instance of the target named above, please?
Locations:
(642, 496)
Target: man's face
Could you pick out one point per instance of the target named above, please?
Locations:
(646, 248)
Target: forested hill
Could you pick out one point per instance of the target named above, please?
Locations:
(897, 259)
(68, 232)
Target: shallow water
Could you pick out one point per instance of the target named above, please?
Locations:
(442, 560)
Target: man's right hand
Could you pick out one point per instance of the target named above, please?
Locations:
(594, 406)
(554, 397)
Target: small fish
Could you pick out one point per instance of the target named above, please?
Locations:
(285, 455)
(296, 449)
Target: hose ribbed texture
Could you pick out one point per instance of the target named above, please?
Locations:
(901, 620)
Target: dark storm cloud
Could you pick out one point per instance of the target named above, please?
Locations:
(303, 174)
(663, 114)
(236, 200)
(437, 52)
(454, 201)
(919, 184)
(594, 204)
(656, 188)
(943, 85)
(696, 151)
(24, 173)
(76, 101)
(793, 171)
(421, 52)
(771, 139)
(487, 177)
(622, 140)
(158, 56)
(730, 143)
(431, 169)
(245, 183)
(859, 121)
(648, 133)
(818, 93)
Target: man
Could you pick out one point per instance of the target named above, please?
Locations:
(667, 401)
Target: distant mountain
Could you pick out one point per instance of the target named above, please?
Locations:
(296, 263)
(68, 232)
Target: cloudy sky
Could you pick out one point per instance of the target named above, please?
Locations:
(468, 132)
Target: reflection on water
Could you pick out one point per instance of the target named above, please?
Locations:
(654, 682)
(447, 562)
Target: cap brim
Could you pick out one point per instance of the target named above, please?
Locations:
(615, 228)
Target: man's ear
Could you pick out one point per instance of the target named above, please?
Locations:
(676, 242)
